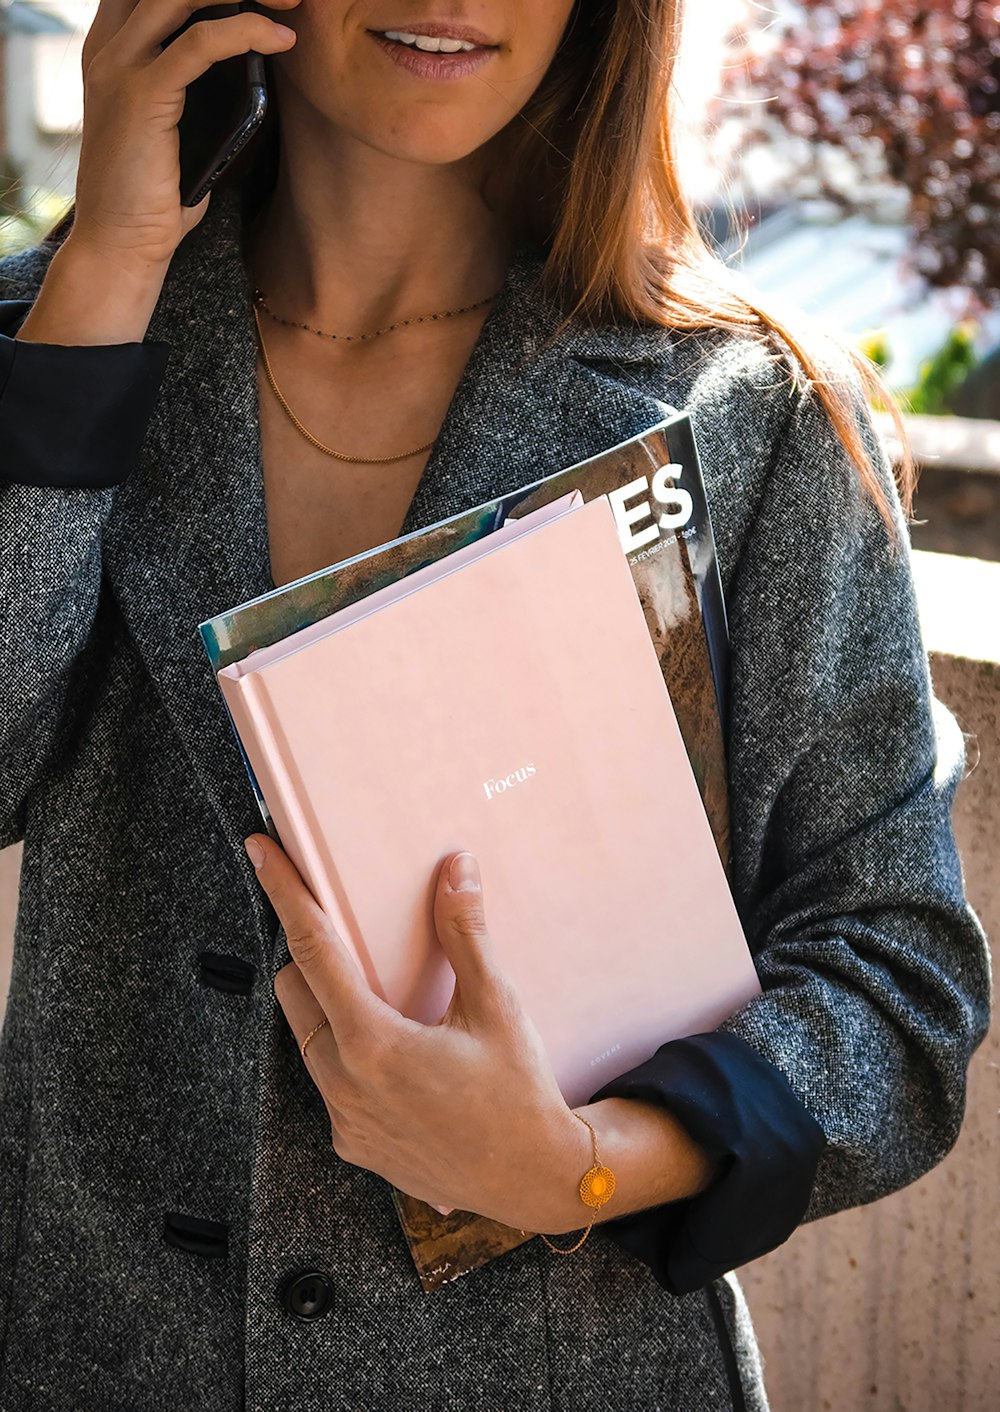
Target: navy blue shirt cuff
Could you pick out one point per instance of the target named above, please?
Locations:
(740, 1108)
(73, 415)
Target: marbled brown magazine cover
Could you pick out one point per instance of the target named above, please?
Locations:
(444, 1247)
(655, 485)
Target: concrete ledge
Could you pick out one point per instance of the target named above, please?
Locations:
(959, 603)
(946, 443)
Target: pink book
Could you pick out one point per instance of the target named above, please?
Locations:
(507, 699)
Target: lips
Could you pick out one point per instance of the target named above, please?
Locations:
(427, 64)
(441, 29)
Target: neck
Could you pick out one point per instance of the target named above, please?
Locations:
(352, 239)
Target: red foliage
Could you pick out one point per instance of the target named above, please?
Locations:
(914, 83)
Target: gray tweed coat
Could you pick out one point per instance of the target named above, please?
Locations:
(130, 1088)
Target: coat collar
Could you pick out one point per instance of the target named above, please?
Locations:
(188, 534)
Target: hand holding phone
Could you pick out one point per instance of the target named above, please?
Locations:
(223, 109)
(128, 192)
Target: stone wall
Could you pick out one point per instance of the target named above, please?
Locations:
(895, 1307)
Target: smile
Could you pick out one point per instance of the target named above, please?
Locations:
(431, 63)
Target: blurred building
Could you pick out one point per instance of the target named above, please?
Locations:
(41, 92)
(852, 273)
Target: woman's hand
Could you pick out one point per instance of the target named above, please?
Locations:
(128, 184)
(103, 282)
(465, 1113)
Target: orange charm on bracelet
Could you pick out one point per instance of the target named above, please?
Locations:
(597, 1186)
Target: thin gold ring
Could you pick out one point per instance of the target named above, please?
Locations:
(314, 1030)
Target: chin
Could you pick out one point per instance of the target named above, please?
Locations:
(428, 143)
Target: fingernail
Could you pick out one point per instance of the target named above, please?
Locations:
(463, 875)
(254, 851)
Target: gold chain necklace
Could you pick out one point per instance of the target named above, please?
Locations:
(259, 300)
(314, 441)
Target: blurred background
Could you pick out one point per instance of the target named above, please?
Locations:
(845, 158)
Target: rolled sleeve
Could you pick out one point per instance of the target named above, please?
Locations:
(73, 416)
(740, 1109)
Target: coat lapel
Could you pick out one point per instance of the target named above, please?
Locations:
(188, 534)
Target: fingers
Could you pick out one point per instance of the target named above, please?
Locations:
(108, 20)
(216, 33)
(330, 971)
(207, 42)
(304, 1013)
(322, 1058)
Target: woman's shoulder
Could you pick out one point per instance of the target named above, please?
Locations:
(756, 369)
(750, 377)
(747, 390)
(762, 399)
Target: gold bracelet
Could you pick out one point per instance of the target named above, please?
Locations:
(597, 1186)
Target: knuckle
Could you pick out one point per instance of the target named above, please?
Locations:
(200, 35)
(352, 1116)
(381, 1052)
(99, 68)
(304, 946)
(470, 920)
(344, 1148)
(343, 1106)
(360, 1049)
(371, 1056)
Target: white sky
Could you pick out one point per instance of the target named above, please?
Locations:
(697, 80)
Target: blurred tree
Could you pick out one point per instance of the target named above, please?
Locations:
(907, 89)
(941, 375)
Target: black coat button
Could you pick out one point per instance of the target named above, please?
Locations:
(307, 1294)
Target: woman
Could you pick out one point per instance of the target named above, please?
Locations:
(195, 1214)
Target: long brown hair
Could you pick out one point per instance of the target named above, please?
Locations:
(594, 149)
(587, 169)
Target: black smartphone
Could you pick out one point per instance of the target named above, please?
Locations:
(223, 108)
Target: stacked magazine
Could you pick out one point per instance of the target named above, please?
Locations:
(539, 680)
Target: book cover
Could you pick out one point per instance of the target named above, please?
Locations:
(653, 485)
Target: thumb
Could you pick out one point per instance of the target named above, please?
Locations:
(460, 919)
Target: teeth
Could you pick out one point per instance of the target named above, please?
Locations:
(432, 46)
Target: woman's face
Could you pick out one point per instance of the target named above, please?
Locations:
(405, 101)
